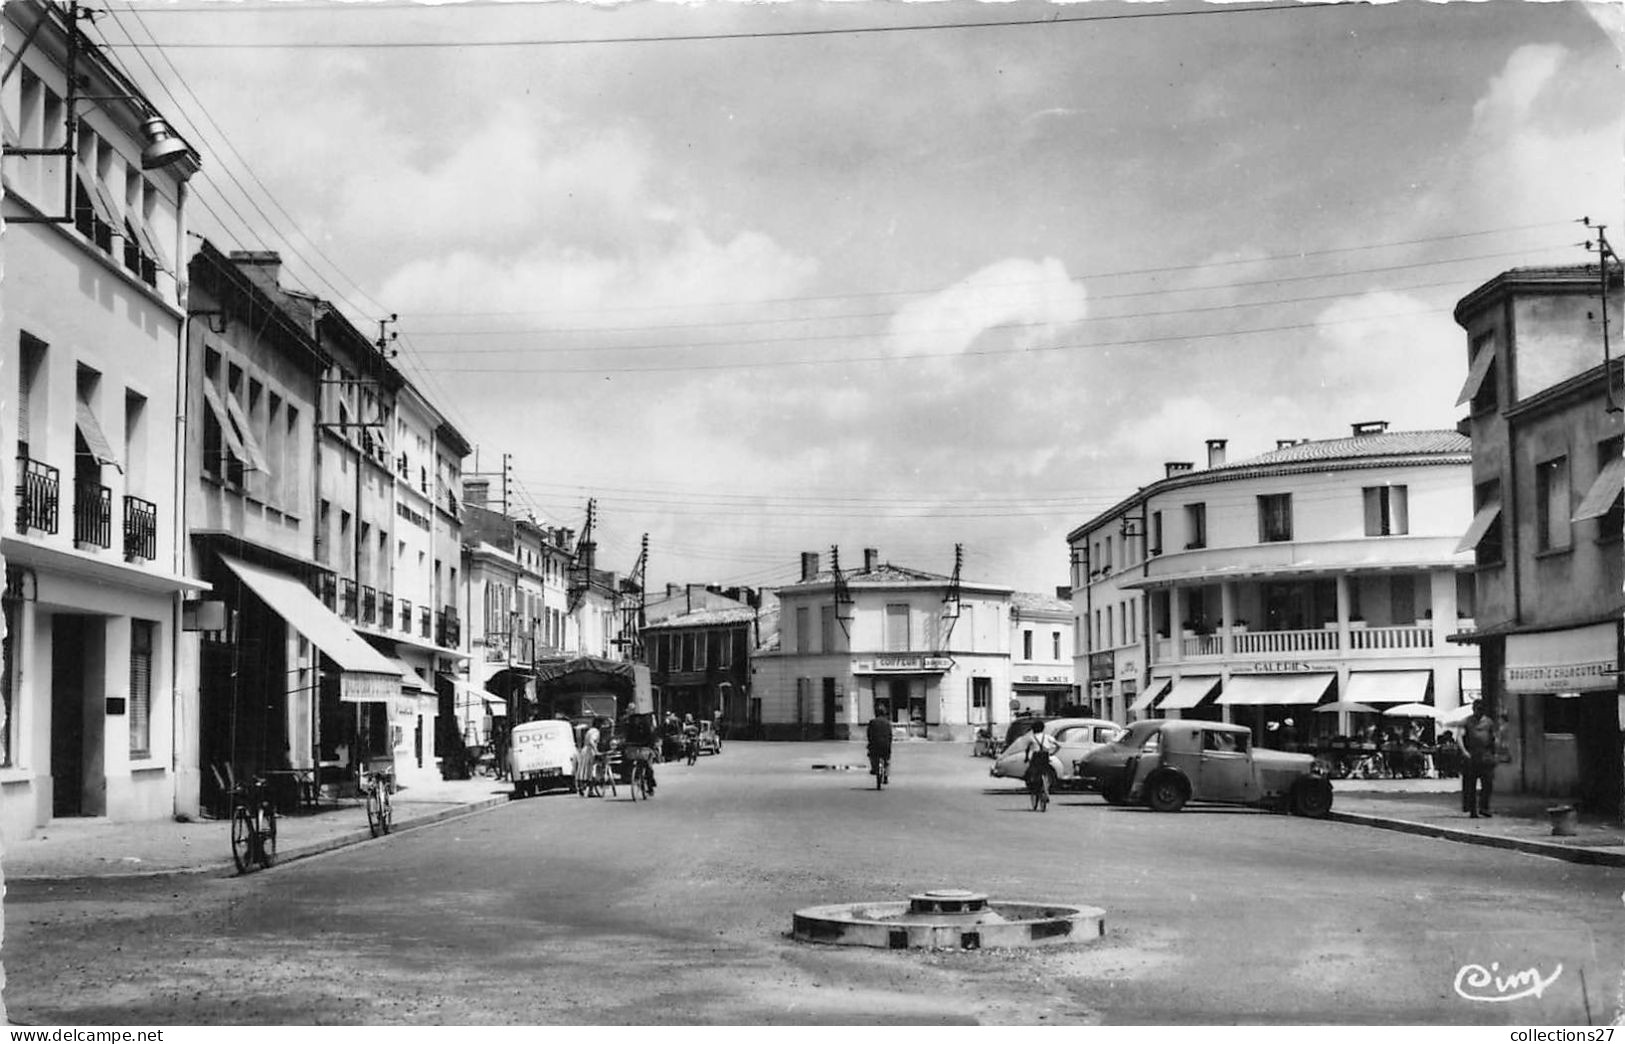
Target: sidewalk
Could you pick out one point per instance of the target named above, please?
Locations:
(69, 848)
(1432, 807)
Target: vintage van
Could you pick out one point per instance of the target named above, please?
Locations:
(542, 756)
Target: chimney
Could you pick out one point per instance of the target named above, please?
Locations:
(1177, 467)
(809, 565)
(1369, 428)
(1215, 452)
(871, 559)
(476, 492)
(1282, 444)
(263, 267)
(1064, 593)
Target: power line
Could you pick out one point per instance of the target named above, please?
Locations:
(755, 35)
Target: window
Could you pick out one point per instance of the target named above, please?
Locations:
(1027, 644)
(1274, 518)
(1387, 511)
(1055, 639)
(897, 628)
(1108, 561)
(141, 688)
(803, 630)
(1611, 456)
(1156, 532)
(1195, 526)
(30, 379)
(1466, 596)
(826, 628)
(1486, 533)
(8, 680)
(981, 693)
(1552, 501)
(1224, 742)
(1481, 387)
(1111, 630)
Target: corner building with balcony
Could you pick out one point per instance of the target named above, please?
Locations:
(1251, 592)
(1546, 535)
(90, 334)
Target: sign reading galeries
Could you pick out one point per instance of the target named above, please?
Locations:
(1577, 660)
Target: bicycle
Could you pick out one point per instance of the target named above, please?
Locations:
(1038, 790)
(880, 768)
(253, 826)
(639, 781)
(691, 747)
(600, 777)
(375, 787)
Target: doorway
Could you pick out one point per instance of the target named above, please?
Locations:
(78, 783)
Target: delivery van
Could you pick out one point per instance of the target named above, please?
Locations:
(542, 755)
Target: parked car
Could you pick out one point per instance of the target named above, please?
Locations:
(1169, 763)
(710, 742)
(1077, 737)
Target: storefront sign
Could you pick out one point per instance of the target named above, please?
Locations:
(1129, 669)
(890, 664)
(1283, 667)
(1047, 679)
(1580, 660)
(1102, 666)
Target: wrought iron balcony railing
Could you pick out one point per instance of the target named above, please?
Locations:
(140, 528)
(92, 514)
(39, 492)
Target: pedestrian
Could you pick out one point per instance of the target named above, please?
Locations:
(1480, 745)
(1289, 736)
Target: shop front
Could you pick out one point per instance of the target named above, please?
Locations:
(1567, 713)
(1276, 706)
(906, 688)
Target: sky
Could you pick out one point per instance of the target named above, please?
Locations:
(769, 278)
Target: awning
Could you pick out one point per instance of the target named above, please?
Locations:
(1604, 492)
(1580, 659)
(1257, 689)
(1144, 701)
(495, 704)
(1481, 524)
(1475, 375)
(91, 431)
(1189, 692)
(411, 679)
(1388, 686)
(367, 675)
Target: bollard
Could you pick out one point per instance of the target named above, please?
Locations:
(1565, 820)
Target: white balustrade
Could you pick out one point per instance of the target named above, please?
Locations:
(1265, 643)
(1410, 636)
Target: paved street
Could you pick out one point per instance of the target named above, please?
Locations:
(565, 910)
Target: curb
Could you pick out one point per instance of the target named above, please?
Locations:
(225, 868)
(1572, 854)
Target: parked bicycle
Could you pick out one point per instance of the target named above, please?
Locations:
(375, 787)
(253, 826)
(600, 777)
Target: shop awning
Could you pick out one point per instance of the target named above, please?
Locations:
(1254, 690)
(1475, 374)
(1580, 659)
(367, 675)
(1604, 492)
(91, 431)
(495, 704)
(1388, 686)
(1481, 524)
(411, 679)
(1143, 702)
(1189, 692)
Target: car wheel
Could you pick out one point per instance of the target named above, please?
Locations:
(1165, 792)
(1312, 798)
(1115, 792)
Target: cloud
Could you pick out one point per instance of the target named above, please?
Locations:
(1033, 298)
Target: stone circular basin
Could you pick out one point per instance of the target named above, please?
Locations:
(949, 918)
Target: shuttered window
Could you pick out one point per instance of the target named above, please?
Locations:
(897, 628)
(141, 688)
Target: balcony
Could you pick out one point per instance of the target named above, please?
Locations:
(406, 616)
(140, 528)
(92, 515)
(1270, 643)
(1383, 639)
(496, 647)
(448, 629)
(425, 622)
(39, 492)
(347, 598)
(327, 589)
(369, 604)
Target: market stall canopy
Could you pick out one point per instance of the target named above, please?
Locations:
(366, 675)
(1189, 692)
(1388, 686)
(1261, 689)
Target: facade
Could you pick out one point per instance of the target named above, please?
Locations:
(90, 333)
(1546, 532)
(1251, 592)
(922, 649)
(699, 652)
(1042, 639)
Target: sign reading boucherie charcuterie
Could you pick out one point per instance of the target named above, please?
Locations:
(1576, 660)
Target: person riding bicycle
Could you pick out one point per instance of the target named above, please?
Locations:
(642, 744)
(691, 735)
(879, 735)
(1036, 748)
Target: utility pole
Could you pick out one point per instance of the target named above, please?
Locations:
(1605, 253)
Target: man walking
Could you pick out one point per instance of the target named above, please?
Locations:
(1480, 743)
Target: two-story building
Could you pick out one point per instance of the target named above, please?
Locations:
(1041, 654)
(1254, 591)
(1544, 414)
(90, 338)
(698, 643)
(925, 650)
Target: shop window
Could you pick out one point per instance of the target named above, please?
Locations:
(1274, 518)
(140, 710)
(1553, 503)
(1560, 714)
(1387, 511)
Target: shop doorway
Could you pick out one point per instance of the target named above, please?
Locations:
(829, 708)
(897, 688)
(78, 780)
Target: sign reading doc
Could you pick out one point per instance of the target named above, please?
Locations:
(903, 662)
(1578, 660)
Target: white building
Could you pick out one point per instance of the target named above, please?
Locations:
(1042, 641)
(90, 336)
(1252, 591)
(931, 654)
